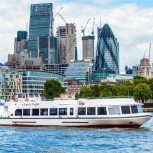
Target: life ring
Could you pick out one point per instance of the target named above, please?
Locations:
(26, 99)
(15, 99)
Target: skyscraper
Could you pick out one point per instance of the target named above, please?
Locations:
(88, 47)
(20, 43)
(61, 44)
(66, 39)
(107, 54)
(41, 17)
(47, 49)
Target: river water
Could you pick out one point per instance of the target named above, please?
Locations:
(72, 140)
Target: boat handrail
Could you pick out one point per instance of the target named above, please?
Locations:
(109, 97)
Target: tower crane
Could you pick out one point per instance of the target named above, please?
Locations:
(144, 53)
(68, 50)
(149, 51)
(53, 19)
(83, 29)
(92, 32)
(62, 17)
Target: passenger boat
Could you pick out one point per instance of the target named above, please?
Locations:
(30, 110)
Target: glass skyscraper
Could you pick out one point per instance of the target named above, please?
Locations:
(41, 17)
(47, 49)
(107, 54)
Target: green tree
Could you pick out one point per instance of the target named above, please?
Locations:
(139, 79)
(94, 91)
(106, 91)
(76, 96)
(52, 88)
(142, 92)
(85, 92)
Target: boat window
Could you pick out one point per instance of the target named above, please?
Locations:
(71, 111)
(91, 110)
(18, 112)
(53, 111)
(31, 95)
(101, 111)
(62, 111)
(36, 95)
(35, 112)
(44, 111)
(19, 95)
(140, 109)
(125, 109)
(114, 110)
(26, 112)
(134, 109)
(82, 111)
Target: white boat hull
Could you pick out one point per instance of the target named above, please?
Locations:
(103, 122)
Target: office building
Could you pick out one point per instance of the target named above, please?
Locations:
(88, 47)
(47, 49)
(79, 70)
(33, 81)
(55, 68)
(107, 54)
(66, 40)
(41, 18)
(20, 43)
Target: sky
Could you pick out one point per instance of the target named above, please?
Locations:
(130, 20)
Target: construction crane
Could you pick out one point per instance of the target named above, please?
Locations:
(68, 50)
(53, 19)
(144, 53)
(92, 32)
(149, 51)
(62, 17)
(83, 29)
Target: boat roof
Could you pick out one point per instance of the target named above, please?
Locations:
(81, 102)
(110, 101)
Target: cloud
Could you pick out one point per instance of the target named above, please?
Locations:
(130, 23)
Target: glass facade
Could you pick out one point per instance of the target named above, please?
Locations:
(47, 47)
(79, 70)
(107, 54)
(40, 25)
(33, 81)
(21, 35)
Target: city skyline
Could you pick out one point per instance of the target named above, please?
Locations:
(129, 20)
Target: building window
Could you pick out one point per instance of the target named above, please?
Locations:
(62, 111)
(134, 109)
(101, 111)
(44, 111)
(125, 109)
(35, 112)
(82, 111)
(18, 112)
(91, 111)
(53, 111)
(26, 112)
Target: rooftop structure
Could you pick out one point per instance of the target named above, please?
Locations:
(144, 69)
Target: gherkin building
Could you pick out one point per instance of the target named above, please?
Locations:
(107, 53)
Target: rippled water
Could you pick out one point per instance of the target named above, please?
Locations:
(65, 140)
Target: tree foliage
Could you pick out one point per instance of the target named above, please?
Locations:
(52, 88)
(141, 89)
(142, 92)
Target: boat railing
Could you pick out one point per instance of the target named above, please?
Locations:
(109, 97)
